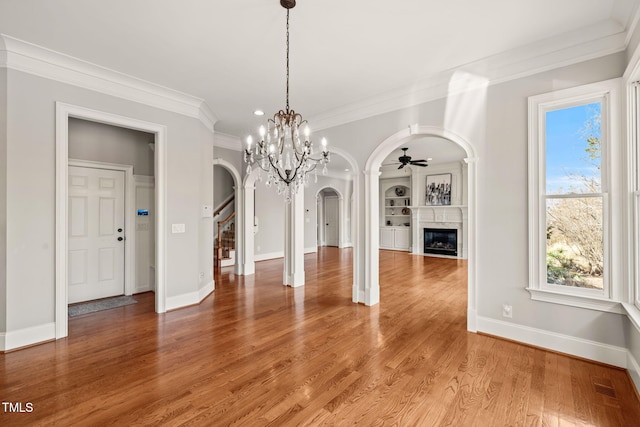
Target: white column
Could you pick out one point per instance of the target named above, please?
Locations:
(372, 237)
(293, 274)
(247, 257)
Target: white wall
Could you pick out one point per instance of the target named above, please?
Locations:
(111, 144)
(31, 198)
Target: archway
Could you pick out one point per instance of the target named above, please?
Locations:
(330, 217)
(248, 186)
(240, 218)
(372, 167)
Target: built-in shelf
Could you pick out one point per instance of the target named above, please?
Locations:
(397, 200)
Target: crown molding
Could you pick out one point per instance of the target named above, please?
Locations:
(18, 55)
(603, 39)
(229, 142)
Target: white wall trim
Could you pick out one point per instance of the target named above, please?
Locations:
(564, 50)
(229, 142)
(27, 336)
(191, 298)
(129, 216)
(634, 370)
(592, 350)
(240, 217)
(63, 113)
(183, 300)
(29, 58)
(205, 291)
(372, 217)
(279, 254)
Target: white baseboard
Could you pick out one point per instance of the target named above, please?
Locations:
(592, 350)
(143, 288)
(279, 254)
(27, 336)
(634, 370)
(206, 290)
(269, 255)
(472, 320)
(192, 298)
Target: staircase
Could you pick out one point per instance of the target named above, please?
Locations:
(225, 235)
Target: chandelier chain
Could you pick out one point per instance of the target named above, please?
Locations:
(287, 60)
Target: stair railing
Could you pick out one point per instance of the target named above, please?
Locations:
(222, 244)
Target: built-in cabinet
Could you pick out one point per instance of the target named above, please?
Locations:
(395, 218)
(397, 238)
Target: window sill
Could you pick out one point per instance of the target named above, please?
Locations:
(580, 301)
(633, 313)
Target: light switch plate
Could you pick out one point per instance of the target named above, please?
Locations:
(177, 228)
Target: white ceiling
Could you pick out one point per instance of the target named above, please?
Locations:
(343, 52)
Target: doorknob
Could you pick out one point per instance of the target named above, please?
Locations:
(119, 230)
(120, 239)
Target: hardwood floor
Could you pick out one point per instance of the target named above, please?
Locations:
(258, 353)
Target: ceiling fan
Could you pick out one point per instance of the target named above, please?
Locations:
(405, 160)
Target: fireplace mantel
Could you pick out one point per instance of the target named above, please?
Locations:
(451, 216)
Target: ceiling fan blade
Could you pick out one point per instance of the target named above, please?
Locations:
(424, 165)
(401, 166)
(421, 160)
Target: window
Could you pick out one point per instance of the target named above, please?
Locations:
(572, 134)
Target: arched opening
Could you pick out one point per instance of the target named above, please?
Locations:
(228, 219)
(374, 211)
(342, 171)
(330, 217)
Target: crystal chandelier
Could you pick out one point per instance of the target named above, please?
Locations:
(284, 150)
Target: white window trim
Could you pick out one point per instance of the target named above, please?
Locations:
(609, 299)
(633, 182)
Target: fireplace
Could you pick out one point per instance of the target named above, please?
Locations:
(441, 241)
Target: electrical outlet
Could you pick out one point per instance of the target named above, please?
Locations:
(202, 275)
(507, 311)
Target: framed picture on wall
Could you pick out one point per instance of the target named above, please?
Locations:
(438, 190)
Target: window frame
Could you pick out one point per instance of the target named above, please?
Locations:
(608, 94)
(634, 189)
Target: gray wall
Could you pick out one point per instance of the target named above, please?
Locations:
(3, 198)
(494, 120)
(232, 156)
(111, 144)
(632, 335)
(269, 208)
(31, 198)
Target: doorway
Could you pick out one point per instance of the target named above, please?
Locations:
(65, 112)
(329, 217)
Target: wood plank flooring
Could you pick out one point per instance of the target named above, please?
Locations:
(256, 353)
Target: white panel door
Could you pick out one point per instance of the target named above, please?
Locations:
(96, 233)
(331, 221)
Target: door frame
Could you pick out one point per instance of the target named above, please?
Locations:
(341, 216)
(129, 217)
(63, 113)
(240, 217)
